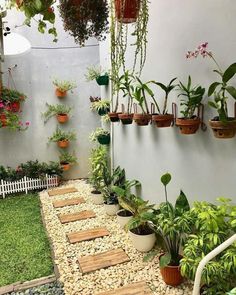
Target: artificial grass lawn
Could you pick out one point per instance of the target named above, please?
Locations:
(24, 247)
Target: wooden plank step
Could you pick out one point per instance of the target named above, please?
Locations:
(68, 202)
(86, 235)
(102, 260)
(65, 218)
(62, 191)
(140, 288)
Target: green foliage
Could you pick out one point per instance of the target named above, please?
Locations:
(85, 19)
(213, 224)
(232, 292)
(101, 106)
(193, 97)
(24, 247)
(59, 135)
(98, 132)
(10, 95)
(12, 121)
(67, 158)
(59, 109)
(94, 72)
(64, 85)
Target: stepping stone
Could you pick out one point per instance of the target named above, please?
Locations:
(110, 258)
(65, 218)
(62, 191)
(86, 235)
(139, 288)
(68, 202)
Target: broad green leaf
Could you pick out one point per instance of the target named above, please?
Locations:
(212, 88)
(165, 179)
(212, 104)
(165, 260)
(232, 91)
(182, 204)
(229, 73)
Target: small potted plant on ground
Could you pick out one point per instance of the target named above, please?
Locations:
(62, 86)
(12, 99)
(62, 138)
(96, 73)
(101, 135)
(172, 223)
(193, 95)
(66, 160)
(101, 106)
(163, 118)
(99, 161)
(223, 126)
(60, 111)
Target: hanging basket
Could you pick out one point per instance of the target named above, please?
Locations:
(142, 119)
(223, 129)
(103, 80)
(188, 126)
(127, 10)
(62, 118)
(163, 120)
(104, 139)
(14, 106)
(126, 119)
(60, 94)
(63, 144)
(114, 117)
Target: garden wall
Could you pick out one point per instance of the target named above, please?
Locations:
(203, 166)
(33, 76)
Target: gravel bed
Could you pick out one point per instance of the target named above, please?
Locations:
(105, 279)
(48, 289)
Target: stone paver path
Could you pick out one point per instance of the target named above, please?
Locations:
(86, 235)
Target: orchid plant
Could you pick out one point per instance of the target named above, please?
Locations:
(220, 89)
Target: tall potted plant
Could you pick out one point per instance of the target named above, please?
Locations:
(62, 138)
(193, 95)
(62, 87)
(223, 126)
(60, 111)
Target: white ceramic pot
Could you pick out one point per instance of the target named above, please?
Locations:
(111, 209)
(97, 199)
(143, 243)
(122, 220)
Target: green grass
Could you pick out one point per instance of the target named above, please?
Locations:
(24, 247)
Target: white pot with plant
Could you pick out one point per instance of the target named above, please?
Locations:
(62, 87)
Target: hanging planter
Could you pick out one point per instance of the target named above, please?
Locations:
(103, 80)
(142, 119)
(163, 120)
(62, 87)
(127, 10)
(114, 117)
(14, 106)
(188, 126)
(62, 138)
(62, 118)
(223, 129)
(60, 94)
(65, 166)
(171, 274)
(60, 111)
(104, 139)
(66, 160)
(101, 135)
(63, 144)
(101, 106)
(126, 119)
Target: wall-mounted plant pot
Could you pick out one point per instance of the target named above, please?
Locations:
(111, 209)
(188, 126)
(62, 118)
(103, 112)
(142, 119)
(63, 144)
(126, 119)
(163, 120)
(114, 117)
(123, 217)
(60, 93)
(3, 119)
(14, 106)
(104, 139)
(143, 243)
(127, 10)
(171, 274)
(103, 80)
(223, 129)
(65, 166)
(97, 198)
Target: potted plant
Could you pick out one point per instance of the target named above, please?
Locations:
(163, 118)
(62, 86)
(62, 138)
(193, 95)
(102, 106)
(12, 121)
(12, 99)
(223, 126)
(213, 224)
(96, 73)
(60, 111)
(42, 9)
(117, 178)
(85, 18)
(66, 160)
(139, 94)
(98, 160)
(127, 11)
(172, 223)
(101, 135)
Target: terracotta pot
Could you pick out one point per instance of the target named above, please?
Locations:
(163, 120)
(114, 117)
(63, 144)
(60, 93)
(127, 10)
(62, 118)
(111, 209)
(65, 166)
(142, 119)
(14, 106)
(188, 126)
(223, 129)
(123, 217)
(126, 119)
(143, 243)
(171, 274)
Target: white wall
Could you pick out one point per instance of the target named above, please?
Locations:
(203, 166)
(33, 76)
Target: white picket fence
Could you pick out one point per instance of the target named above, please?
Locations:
(27, 184)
